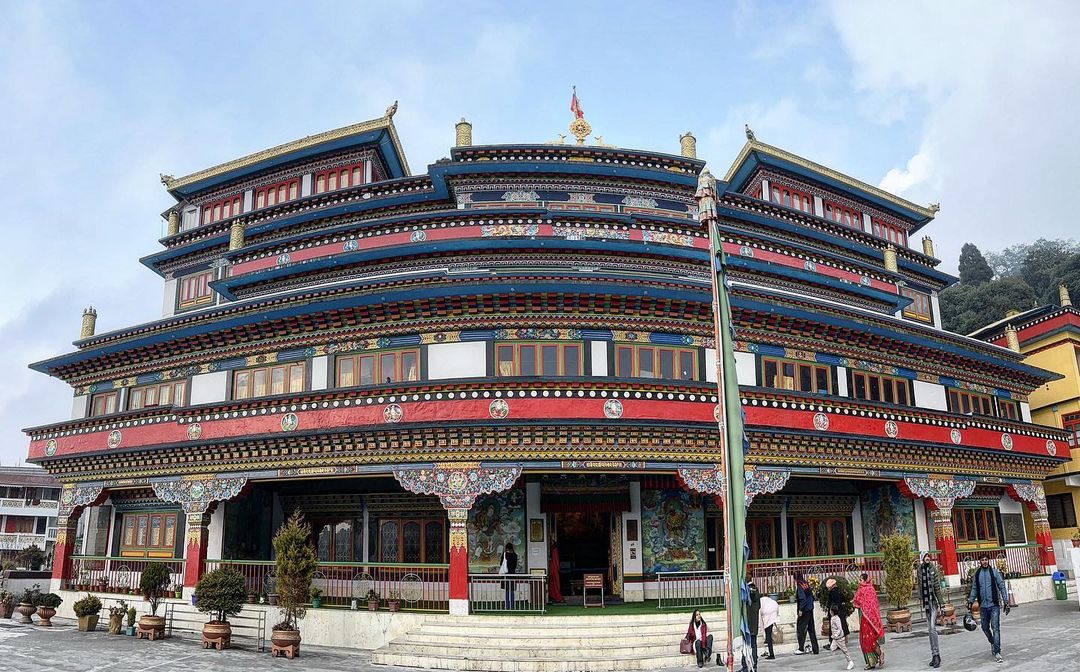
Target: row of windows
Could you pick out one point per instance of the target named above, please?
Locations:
(273, 194)
(148, 535)
(222, 209)
(890, 232)
(843, 215)
(389, 367)
(639, 361)
(339, 178)
(195, 290)
(975, 525)
(793, 199)
(536, 359)
(800, 200)
(269, 380)
(919, 308)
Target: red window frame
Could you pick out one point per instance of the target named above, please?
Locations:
(885, 389)
(919, 308)
(655, 355)
(1008, 409)
(351, 175)
(890, 232)
(843, 215)
(277, 193)
(509, 358)
(792, 198)
(245, 380)
(966, 523)
(396, 371)
(215, 211)
(195, 289)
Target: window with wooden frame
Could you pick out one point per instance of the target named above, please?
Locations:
(843, 215)
(279, 192)
(875, 387)
(539, 359)
(1061, 510)
(150, 534)
(269, 380)
(221, 209)
(783, 374)
(821, 536)
(1008, 409)
(341, 177)
(339, 540)
(964, 402)
(412, 540)
(919, 308)
(376, 368)
(890, 232)
(195, 289)
(791, 198)
(655, 361)
(761, 536)
(158, 394)
(975, 526)
(104, 403)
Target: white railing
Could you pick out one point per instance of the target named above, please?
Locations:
(16, 541)
(690, 589)
(20, 503)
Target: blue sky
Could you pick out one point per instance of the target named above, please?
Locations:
(966, 104)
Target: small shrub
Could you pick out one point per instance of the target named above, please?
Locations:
(220, 593)
(51, 601)
(154, 581)
(87, 606)
(846, 591)
(898, 563)
(295, 564)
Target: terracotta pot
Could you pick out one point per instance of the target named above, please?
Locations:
(116, 624)
(895, 616)
(151, 627)
(25, 611)
(285, 642)
(1076, 543)
(393, 605)
(948, 610)
(373, 605)
(217, 634)
(88, 623)
(6, 610)
(44, 614)
(271, 599)
(251, 599)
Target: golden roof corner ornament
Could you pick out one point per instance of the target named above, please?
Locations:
(165, 179)
(560, 139)
(749, 133)
(934, 207)
(600, 141)
(391, 110)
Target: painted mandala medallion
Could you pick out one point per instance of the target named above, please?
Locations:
(716, 412)
(350, 246)
(499, 409)
(289, 422)
(114, 438)
(393, 413)
(194, 431)
(418, 236)
(954, 435)
(891, 429)
(821, 422)
(1006, 442)
(50, 447)
(1051, 448)
(283, 258)
(613, 409)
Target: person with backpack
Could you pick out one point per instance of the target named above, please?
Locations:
(988, 588)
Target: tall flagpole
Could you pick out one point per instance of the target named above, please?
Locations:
(732, 461)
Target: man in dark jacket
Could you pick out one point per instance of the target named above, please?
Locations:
(930, 594)
(804, 602)
(988, 588)
(836, 599)
(752, 609)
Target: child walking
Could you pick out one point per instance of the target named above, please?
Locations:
(839, 639)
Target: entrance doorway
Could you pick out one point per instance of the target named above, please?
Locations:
(584, 548)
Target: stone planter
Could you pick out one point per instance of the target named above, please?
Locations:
(44, 614)
(899, 620)
(25, 611)
(151, 627)
(217, 634)
(116, 624)
(372, 605)
(88, 623)
(285, 642)
(393, 605)
(272, 599)
(6, 610)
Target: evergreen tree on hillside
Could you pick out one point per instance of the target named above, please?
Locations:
(973, 267)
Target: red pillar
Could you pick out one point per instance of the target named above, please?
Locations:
(195, 553)
(1043, 538)
(64, 547)
(943, 536)
(459, 561)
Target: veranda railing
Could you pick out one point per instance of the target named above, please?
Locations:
(508, 593)
(1019, 561)
(678, 590)
(113, 574)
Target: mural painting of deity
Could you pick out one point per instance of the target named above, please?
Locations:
(673, 531)
(885, 511)
(495, 520)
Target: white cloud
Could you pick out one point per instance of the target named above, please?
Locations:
(919, 168)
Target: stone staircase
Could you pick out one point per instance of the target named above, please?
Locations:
(546, 643)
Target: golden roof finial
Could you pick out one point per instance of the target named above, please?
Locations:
(391, 110)
(578, 126)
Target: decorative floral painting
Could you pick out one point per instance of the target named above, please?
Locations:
(885, 511)
(495, 520)
(673, 531)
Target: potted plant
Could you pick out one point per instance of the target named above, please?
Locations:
(272, 599)
(116, 617)
(7, 603)
(392, 602)
(372, 600)
(32, 557)
(252, 599)
(154, 581)
(130, 622)
(1076, 538)
(87, 609)
(46, 608)
(787, 595)
(316, 598)
(178, 591)
(295, 565)
(28, 604)
(822, 595)
(103, 584)
(220, 594)
(899, 581)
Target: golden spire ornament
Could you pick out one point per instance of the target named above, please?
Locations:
(578, 126)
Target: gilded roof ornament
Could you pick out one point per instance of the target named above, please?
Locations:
(165, 179)
(749, 133)
(391, 110)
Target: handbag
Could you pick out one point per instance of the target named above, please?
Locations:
(686, 646)
(502, 567)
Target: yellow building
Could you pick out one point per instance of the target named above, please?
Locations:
(1049, 337)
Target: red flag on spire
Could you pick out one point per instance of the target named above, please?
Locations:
(575, 106)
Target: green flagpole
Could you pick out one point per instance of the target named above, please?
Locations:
(732, 462)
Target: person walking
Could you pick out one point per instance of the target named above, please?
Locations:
(509, 566)
(769, 612)
(988, 588)
(871, 632)
(804, 602)
(839, 639)
(836, 599)
(698, 634)
(930, 594)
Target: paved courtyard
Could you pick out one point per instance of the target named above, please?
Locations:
(1038, 637)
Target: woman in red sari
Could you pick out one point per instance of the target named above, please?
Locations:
(871, 633)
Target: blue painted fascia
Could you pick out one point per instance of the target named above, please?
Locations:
(871, 293)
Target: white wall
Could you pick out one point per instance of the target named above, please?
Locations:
(168, 302)
(457, 360)
(1009, 505)
(207, 388)
(935, 306)
(536, 553)
(633, 592)
(922, 530)
(710, 365)
(80, 406)
(599, 358)
(215, 533)
(1025, 411)
(319, 372)
(745, 368)
(841, 381)
(857, 528)
(930, 395)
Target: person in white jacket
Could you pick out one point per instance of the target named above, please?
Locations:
(768, 614)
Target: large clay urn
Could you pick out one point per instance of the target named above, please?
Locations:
(25, 610)
(44, 614)
(151, 627)
(217, 634)
(285, 642)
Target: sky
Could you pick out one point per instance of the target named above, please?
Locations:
(966, 104)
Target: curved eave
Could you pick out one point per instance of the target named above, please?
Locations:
(894, 301)
(378, 132)
(756, 154)
(584, 153)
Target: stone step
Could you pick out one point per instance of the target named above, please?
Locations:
(530, 639)
(572, 662)
(666, 616)
(553, 629)
(525, 650)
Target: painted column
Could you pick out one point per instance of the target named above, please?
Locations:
(73, 499)
(940, 492)
(457, 486)
(1033, 495)
(944, 538)
(195, 545)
